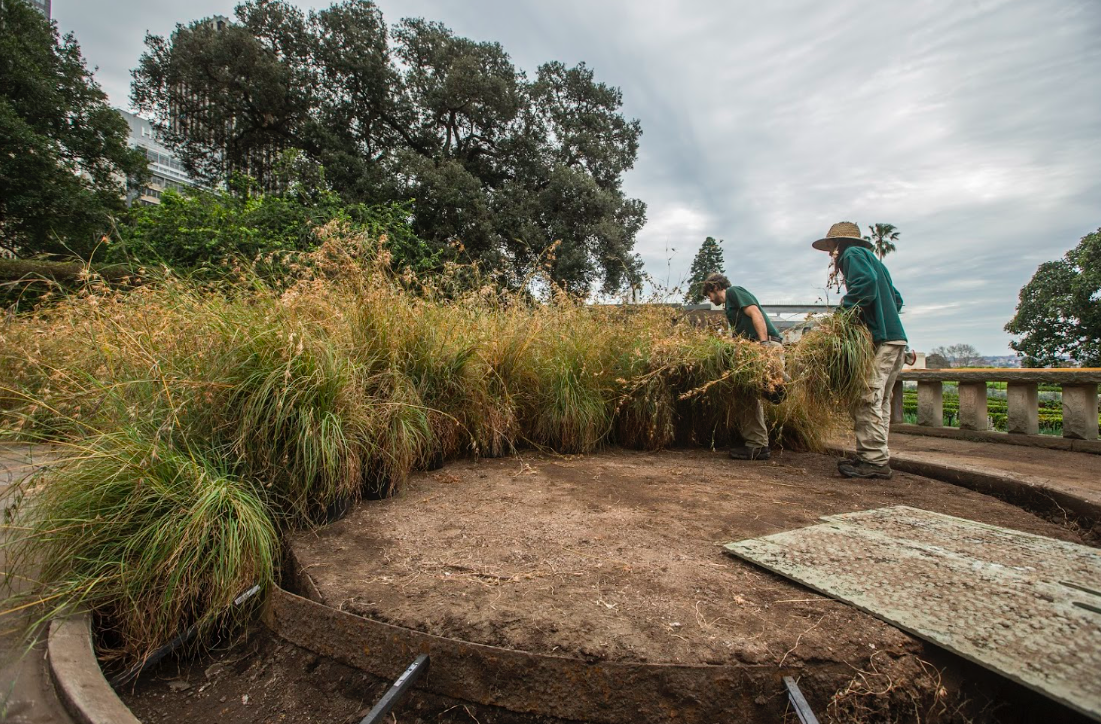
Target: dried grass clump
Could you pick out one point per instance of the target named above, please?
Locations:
(252, 408)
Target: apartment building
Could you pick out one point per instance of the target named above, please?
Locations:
(167, 171)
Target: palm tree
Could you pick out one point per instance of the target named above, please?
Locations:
(883, 237)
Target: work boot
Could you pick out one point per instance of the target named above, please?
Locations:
(862, 469)
(744, 452)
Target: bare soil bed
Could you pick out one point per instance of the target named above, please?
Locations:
(617, 557)
(609, 557)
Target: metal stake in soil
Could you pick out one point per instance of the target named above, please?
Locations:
(398, 691)
(798, 703)
(129, 675)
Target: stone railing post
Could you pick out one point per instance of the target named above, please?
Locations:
(1022, 408)
(973, 406)
(930, 403)
(896, 403)
(1080, 411)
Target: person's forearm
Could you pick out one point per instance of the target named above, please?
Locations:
(759, 326)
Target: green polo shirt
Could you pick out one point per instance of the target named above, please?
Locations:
(737, 299)
(868, 286)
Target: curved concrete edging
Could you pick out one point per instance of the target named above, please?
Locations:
(79, 681)
(1017, 490)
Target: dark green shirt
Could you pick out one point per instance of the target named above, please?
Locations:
(868, 286)
(737, 299)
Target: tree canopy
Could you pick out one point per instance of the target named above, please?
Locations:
(708, 259)
(957, 355)
(936, 361)
(496, 163)
(64, 159)
(1059, 309)
(883, 238)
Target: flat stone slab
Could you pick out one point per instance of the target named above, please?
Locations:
(1025, 606)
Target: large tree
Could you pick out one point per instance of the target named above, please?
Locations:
(496, 163)
(1059, 312)
(883, 238)
(64, 160)
(708, 259)
(959, 355)
(936, 361)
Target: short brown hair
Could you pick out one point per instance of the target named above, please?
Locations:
(715, 282)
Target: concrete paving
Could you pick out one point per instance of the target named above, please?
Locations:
(1077, 474)
(1050, 482)
(26, 692)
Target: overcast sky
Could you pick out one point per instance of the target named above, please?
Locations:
(974, 126)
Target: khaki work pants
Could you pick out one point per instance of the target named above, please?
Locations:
(872, 416)
(751, 424)
(751, 419)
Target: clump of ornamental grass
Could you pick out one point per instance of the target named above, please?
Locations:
(151, 536)
(400, 437)
(297, 419)
(566, 391)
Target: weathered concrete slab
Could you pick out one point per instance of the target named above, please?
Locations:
(1025, 606)
(1080, 412)
(973, 406)
(1022, 412)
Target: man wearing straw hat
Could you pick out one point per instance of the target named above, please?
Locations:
(869, 289)
(747, 321)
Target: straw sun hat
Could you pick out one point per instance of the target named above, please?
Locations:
(841, 231)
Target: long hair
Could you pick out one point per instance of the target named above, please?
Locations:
(836, 276)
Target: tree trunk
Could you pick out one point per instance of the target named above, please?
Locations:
(59, 271)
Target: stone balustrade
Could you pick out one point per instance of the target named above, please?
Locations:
(1079, 388)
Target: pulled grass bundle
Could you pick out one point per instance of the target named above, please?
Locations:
(692, 387)
(209, 420)
(833, 361)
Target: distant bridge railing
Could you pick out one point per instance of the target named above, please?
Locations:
(1079, 399)
(705, 314)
